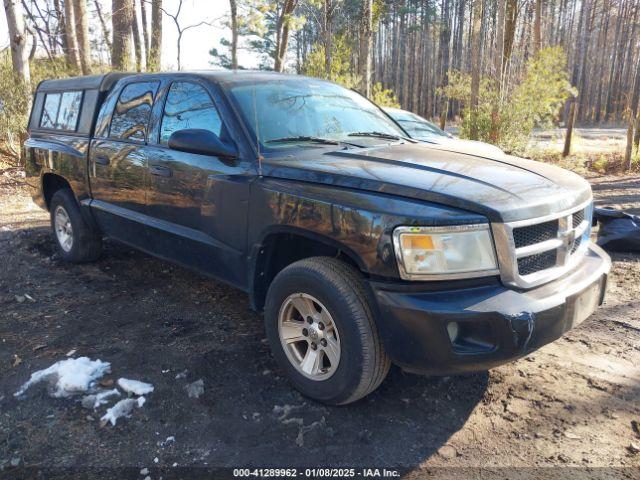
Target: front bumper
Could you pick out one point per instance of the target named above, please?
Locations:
(494, 324)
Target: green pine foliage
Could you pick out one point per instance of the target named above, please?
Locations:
(341, 70)
(532, 102)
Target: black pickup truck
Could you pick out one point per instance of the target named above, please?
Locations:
(361, 246)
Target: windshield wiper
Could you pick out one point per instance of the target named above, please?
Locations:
(374, 134)
(304, 138)
(309, 138)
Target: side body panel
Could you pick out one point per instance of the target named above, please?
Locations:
(198, 211)
(119, 188)
(198, 204)
(63, 155)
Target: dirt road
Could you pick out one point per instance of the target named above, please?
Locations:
(571, 404)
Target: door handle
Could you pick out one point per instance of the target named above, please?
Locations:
(159, 171)
(101, 160)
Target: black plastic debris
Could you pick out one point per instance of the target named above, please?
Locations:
(619, 231)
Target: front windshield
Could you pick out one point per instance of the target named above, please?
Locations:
(303, 107)
(418, 127)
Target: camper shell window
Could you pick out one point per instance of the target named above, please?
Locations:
(61, 111)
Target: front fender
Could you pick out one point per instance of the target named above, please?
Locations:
(360, 223)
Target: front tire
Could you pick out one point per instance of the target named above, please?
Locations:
(322, 331)
(76, 240)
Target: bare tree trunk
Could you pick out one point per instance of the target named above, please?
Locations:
(512, 11)
(145, 31)
(366, 34)
(498, 60)
(73, 56)
(578, 72)
(282, 33)
(629, 145)
(82, 34)
(475, 67)
(17, 40)
(327, 36)
(137, 42)
(155, 50)
(443, 59)
(63, 34)
(121, 49)
(570, 120)
(105, 30)
(636, 138)
(633, 112)
(234, 34)
(537, 39)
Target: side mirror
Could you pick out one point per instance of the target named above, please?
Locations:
(203, 142)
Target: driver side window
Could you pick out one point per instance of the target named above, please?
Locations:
(188, 105)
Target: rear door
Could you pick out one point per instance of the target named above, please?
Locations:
(118, 164)
(199, 203)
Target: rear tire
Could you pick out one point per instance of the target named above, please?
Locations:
(76, 240)
(333, 293)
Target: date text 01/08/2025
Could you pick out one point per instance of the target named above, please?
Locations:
(316, 473)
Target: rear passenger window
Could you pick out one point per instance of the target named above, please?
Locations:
(50, 110)
(188, 105)
(61, 111)
(69, 111)
(131, 115)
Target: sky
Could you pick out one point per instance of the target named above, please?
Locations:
(196, 42)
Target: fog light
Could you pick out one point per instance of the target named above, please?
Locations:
(453, 330)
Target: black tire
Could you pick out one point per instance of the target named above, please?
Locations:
(86, 243)
(363, 362)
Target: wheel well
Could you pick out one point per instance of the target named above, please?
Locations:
(51, 183)
(282, 249)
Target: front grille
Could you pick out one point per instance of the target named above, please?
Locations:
(532, 234)
(576, 245)
(536, 263)
(532, 254)
(577, 218)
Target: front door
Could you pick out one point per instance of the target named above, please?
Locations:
(199, 203)
(118, 166)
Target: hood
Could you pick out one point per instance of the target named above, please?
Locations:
(471, 147)
(501, 187)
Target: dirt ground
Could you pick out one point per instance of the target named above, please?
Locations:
(570, 410)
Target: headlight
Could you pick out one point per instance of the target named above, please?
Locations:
(436, 253)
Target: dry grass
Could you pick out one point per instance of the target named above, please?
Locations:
(591, 155)
(589, 164)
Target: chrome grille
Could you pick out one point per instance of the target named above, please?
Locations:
(536, 251)
(532, 234)
(535, 263)
(576, 245)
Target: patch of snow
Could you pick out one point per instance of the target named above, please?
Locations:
(71, 353)
(134, 386)
(100, 398)
(282, 412)
(123, 408)
(68, 377)
(182, 374)
(195, 389)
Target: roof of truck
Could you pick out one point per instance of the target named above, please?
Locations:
(90, 82)
(106, 81)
